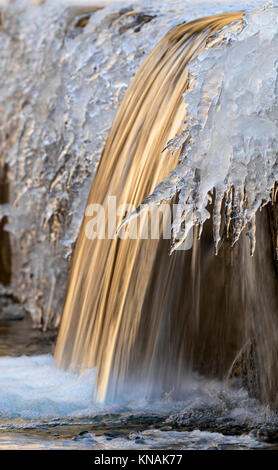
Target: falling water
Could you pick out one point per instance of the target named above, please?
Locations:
(127, 305)
(181, 342)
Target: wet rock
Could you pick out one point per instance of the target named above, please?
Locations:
(140, 441)
(246, 368)
(12, 312)
(88, 436)
(213, 419)
(23, 339)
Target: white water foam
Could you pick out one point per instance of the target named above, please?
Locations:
(32, 388)
(34, 394)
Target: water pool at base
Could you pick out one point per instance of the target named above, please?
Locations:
(42, 407)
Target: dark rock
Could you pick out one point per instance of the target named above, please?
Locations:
(12, 312)
(246, 368)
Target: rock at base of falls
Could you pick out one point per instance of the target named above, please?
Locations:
(10, 309)
(18, 337)
(245, 369)
(12, 313)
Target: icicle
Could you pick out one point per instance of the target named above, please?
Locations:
(251, 233)
(274, 192)
(231, 138)
(219, 194)
(228, 209)
(238, 217)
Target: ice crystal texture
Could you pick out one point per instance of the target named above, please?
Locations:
(63, 72)
(230, 143)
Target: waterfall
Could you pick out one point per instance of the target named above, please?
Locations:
(128, 310)
(167, 273)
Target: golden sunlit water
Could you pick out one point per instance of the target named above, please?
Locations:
(120, 301)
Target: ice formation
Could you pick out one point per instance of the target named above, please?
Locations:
(61, 83)
(64, 71)
(229, 146)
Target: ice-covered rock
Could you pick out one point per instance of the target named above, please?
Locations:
(64, 69)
